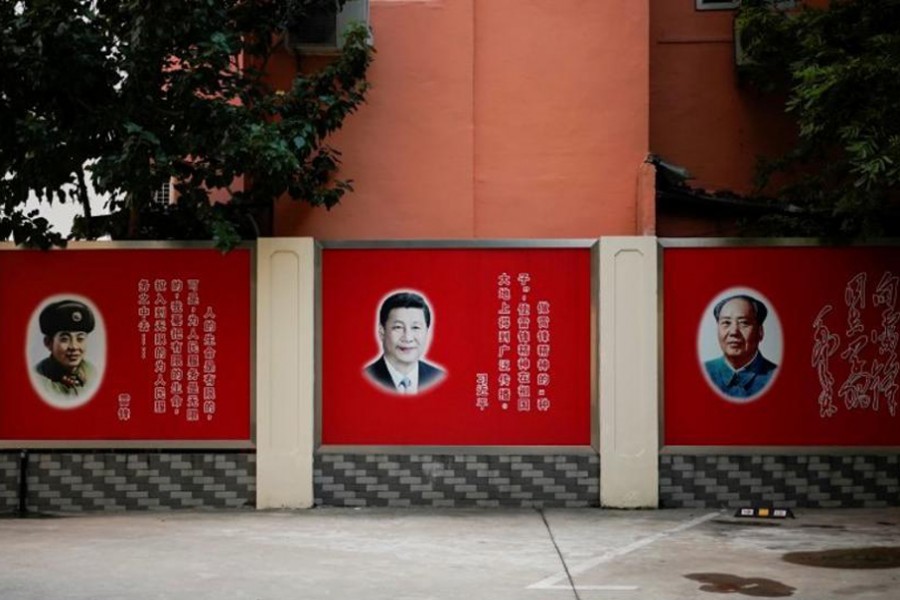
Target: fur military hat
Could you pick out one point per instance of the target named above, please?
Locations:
(66, 315)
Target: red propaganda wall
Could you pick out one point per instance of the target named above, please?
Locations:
(169, 355)
(832, 331)
(510, 329)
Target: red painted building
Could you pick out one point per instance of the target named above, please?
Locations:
(534, 119)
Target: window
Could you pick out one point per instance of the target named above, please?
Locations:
(164, 194)
(717, 4)
(730, 4)
(324, 29)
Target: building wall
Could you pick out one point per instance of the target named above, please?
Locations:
(287, 470)
(702, 115)
(508, 118)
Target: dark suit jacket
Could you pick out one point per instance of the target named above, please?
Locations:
(747, 382)
(428, 375)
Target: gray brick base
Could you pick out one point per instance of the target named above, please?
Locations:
(9, 481)
(78, 481)
(83, 481)
(457, 480)
(790, 481)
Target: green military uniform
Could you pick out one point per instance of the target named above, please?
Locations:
(58, 380)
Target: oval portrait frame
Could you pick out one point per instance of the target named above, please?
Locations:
(771, 346)
(35, 351)
(428, 341)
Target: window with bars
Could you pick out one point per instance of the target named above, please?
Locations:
(164, 194)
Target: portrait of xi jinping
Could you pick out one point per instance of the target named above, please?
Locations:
(404, 322)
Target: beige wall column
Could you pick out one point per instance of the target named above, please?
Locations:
(285, 326)
(629, 406)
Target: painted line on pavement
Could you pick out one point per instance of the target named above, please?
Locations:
(604, 588)
(553, 582)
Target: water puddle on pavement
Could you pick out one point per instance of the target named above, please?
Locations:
(876, 557)
(723, 583)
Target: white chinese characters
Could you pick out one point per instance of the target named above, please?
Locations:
(180, 342)
(523, 349)
(870, 354)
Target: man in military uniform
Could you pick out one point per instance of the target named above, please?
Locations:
(66, 325)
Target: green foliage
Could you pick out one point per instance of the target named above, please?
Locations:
(128, 94)
(840, 66)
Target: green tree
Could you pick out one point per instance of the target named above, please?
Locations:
(840, 68)
(129, 94)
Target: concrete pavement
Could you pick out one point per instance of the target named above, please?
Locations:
(428, 554)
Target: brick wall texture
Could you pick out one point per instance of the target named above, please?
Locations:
(9, 481)
(118, 480)
(457, 480)
(865, 481)
(91, 481)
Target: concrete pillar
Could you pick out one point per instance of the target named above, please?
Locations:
(285, 370)
(629, 406)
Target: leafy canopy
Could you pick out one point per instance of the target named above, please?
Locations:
(840, 66)
(126, 95)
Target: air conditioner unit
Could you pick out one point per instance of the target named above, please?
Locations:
(324, 29)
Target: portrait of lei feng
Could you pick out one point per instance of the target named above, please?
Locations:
(66, 326)
(742, 371)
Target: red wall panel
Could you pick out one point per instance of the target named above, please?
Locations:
(547, 401)
(832, 329)
(170, 351)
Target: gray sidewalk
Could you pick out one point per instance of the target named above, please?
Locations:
(420, 554)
